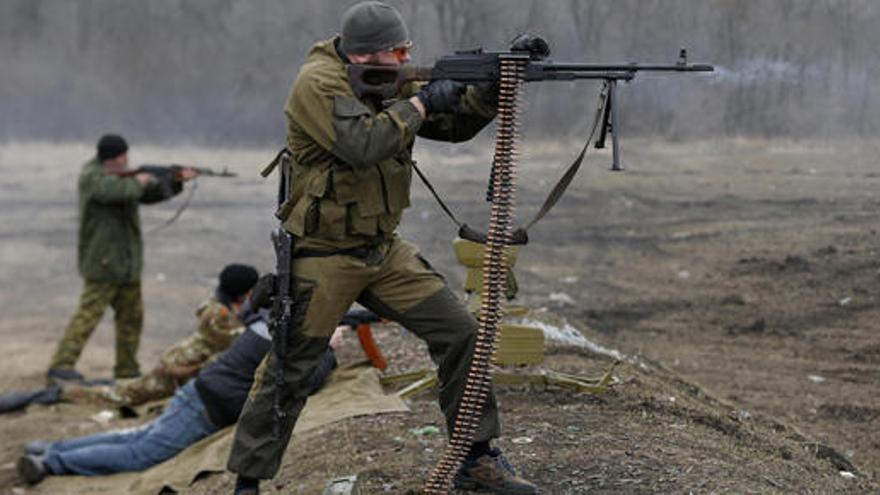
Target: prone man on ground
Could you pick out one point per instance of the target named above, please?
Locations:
(207, 404)
(218, 325)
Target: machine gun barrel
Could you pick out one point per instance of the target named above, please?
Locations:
(588, 68)
(209, 172)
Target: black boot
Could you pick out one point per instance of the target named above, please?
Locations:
(63, 375)
(247, 486)
(31, 468)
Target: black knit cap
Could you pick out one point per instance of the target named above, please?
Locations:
(370, 27)
(236, 280)
(110, 146)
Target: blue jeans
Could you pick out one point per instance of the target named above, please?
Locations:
(183, 423)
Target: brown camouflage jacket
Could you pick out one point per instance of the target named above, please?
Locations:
(218, 327)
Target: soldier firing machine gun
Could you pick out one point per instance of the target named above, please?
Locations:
(525, 62)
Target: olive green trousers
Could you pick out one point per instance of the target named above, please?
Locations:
(397, 284)
(128, 308)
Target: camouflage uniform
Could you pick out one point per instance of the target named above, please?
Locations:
(351, 173)
(110, 260)
(128, 308)
(218, 327)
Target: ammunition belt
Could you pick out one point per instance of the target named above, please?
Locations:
(478, 383)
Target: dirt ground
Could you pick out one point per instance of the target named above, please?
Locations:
(741, 280)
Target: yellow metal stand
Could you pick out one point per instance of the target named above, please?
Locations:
(518, 345)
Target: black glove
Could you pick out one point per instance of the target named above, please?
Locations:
(264, 292)
(441, 96)
(536, 47)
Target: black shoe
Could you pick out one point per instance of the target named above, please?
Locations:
(247, 486)
(37, 447)
(491, 472)
(64, 374)
(31, 468)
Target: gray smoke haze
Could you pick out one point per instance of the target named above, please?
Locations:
(218, 71)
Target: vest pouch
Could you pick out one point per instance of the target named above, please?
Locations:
(359, 224)
(283, 211)
(346, 193)
(304, 210)
(331, 219)
(398, 177)
(344, 181)
(303, 217)
(369, 192)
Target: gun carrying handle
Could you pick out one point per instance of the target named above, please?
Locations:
(374, 354)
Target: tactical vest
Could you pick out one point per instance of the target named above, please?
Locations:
(334, 201)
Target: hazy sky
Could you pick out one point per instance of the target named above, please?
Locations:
(218, 71)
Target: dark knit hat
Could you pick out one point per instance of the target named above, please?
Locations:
(110, 146)
(236, 280)
(370, 27)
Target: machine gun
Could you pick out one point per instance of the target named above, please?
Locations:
(484, 67)
(478, 66)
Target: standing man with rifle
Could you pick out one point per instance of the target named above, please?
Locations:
(350, 172)
(110, 255)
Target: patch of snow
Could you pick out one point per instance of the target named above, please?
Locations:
(571, 335)
(561, 297)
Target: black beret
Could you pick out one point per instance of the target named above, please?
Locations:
(110, 146)
(236, 280)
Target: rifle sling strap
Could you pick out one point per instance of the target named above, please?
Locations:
(275, 162)
(520, 235)
(180, 209)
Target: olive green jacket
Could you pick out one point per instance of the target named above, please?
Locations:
(352, 158)
(110, 248)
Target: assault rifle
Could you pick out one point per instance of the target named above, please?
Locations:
(478, 66)
(360, 320)
(168, 175)
(175, 171)
(283, 307)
